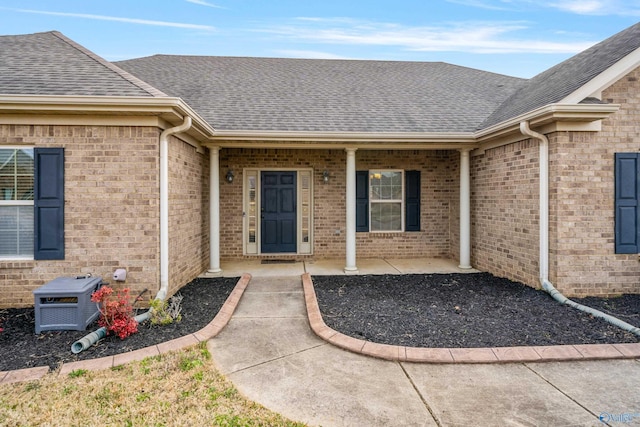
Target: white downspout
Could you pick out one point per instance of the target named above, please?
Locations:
(544, 236)
(93, 337)
(544, 198)
(164, 204)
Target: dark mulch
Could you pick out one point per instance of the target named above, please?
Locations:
(21, 348)
(439, 310)
(464, 310)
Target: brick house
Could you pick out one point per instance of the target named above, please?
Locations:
(168, 165)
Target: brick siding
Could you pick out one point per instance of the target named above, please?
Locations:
(505, 230)
(504, 211)
(188, 213)
(584, 255)
(111, 207)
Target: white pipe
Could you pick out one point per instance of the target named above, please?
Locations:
(164, 205)
(544, 237)
(544, 197)
(548, 287)
(465, 211)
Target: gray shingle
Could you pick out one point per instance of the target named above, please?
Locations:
(272, 94)
(51, 64)
(556, 83)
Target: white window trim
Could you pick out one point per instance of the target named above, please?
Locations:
(17, 203)
(395, 201)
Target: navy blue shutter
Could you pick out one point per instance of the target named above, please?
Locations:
(362, 200)
(412, 201)
(48, 200)
(627, 232)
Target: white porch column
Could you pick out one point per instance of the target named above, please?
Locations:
(465, 210)
(214, 212)
(350, 234)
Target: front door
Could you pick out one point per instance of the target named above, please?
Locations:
(278, 212)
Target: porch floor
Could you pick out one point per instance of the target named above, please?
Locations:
(335, 267)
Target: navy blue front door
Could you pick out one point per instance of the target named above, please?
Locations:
(278, 224)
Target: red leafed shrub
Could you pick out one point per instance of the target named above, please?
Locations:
(116, 311)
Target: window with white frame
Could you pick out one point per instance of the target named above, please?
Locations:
(386, 198)
(16, 202)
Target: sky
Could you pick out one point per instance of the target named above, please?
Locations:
(514, 37)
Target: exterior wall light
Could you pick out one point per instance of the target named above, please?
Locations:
(229, 176)
(325, 176)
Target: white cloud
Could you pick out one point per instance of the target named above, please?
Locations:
(204, 3)
(579, 7)
(481, 4)
(470, 37)
(119, 19)
(309, 54)
(595, 7)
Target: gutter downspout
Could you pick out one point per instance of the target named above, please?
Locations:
(164, 205)
(544, 237)
(93, 337)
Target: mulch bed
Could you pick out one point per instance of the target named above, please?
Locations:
(437, 310)
(464, 310)
(21, 348)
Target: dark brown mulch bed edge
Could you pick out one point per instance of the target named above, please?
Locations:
(21, 348)
(437, 310)
(464, 310)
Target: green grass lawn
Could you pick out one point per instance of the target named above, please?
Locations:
(181, 388)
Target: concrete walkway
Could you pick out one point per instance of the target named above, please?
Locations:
(269, 352)
(335, 267)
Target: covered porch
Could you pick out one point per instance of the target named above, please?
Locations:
(328, 216)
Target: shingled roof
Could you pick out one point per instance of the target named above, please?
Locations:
(275, 94)
(51, 64)
(306, 95)
(558, 82)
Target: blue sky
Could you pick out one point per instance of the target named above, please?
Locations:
(514, 37)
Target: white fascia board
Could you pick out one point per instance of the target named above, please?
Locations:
(83, 103)
(170, 109)
(595, 86)
(333, 140)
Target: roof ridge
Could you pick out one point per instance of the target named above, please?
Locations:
(122, 73)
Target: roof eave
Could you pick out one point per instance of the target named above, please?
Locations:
(173, 110)
(170, 109)
(575, 113)
(334, 140)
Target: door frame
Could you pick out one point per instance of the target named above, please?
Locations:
(251, 241)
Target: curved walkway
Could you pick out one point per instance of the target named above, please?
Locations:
(269, 349)
(270, 353)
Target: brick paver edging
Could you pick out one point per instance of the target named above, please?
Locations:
(460, 355)
(211, 330)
